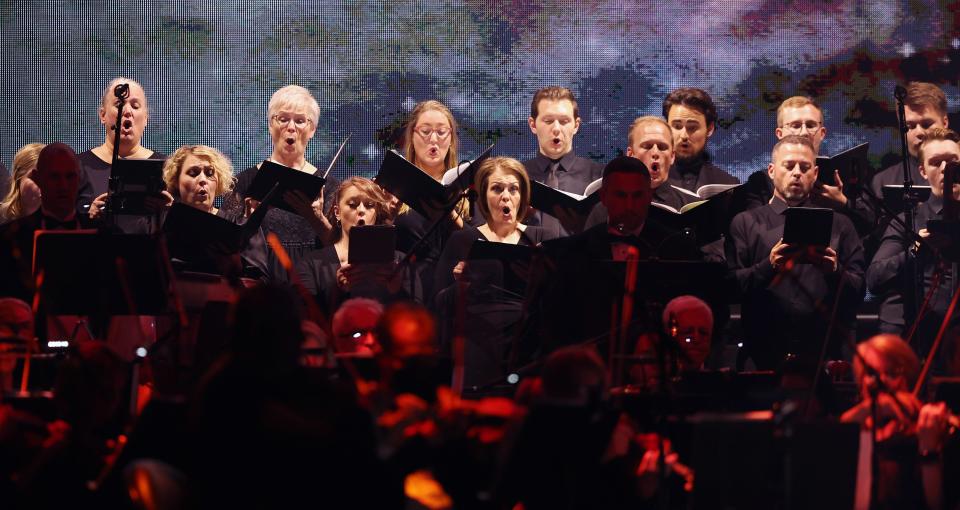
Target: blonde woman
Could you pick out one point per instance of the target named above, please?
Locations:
(22, 198)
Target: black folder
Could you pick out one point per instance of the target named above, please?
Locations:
(501, 264)
(132, 181)
(271, 173)
(709, 219)
(372, 244)
(418, 189)
(545, 199)
(809, 226)
(893, 196)
(852, 163)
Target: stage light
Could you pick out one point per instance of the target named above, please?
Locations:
(513, 378)
(58, 344)
(141, 352)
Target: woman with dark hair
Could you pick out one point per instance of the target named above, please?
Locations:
(327, 273)
(492, 303)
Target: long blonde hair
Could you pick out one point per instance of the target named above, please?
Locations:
(24, 162)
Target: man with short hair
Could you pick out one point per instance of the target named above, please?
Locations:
(573, 284)
(555, 119)
(924, 108)
(57, 176)
(692, 116)
(651, 141)
(891, 271)
(786, 289)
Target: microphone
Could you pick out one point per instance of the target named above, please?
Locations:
(900, 92)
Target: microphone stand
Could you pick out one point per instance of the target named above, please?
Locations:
(121, 92)
(910, 199)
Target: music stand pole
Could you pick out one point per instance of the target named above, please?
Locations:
(909, 207)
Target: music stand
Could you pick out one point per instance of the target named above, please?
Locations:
(132, 181)
(91, 273)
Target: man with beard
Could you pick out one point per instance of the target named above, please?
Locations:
(692, 117)
(788, 291)
(555, 119)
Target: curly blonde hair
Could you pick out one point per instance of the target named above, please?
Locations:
(221, 166)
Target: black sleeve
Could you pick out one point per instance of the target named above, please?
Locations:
(852, 262)
(750, 274)
(888, 261)
(456, 249)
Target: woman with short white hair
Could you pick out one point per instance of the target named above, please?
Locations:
(292, 117)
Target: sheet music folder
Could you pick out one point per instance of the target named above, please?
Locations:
(710, 219)
(544, 198)
(502, 264)
(418, 189)
(132, 181)
(271, 173)
(852, 163)
(88, 273)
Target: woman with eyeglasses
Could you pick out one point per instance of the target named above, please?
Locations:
(292, 116)
(430, 142)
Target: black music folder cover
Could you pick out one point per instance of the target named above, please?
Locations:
(271, 173)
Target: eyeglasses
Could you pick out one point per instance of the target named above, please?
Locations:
(798, 125)
(282, 120)
(426, 133)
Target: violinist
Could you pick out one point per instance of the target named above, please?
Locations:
(910, 436)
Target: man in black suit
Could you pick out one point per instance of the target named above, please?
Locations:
(555, 119)
(577, 281)
(57, 175)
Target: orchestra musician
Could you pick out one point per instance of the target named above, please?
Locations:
(22, 197)
(910, 435)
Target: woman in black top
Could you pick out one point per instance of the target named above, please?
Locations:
(492, 305)
(292, 117)
(327, 274)
(195, 175)
(95, 163)
(430, 142)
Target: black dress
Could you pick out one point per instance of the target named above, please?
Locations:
(295, 233)
(492, 315)
(317, 271)
(95, 178)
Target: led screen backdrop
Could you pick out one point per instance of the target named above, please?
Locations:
(209, 68)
